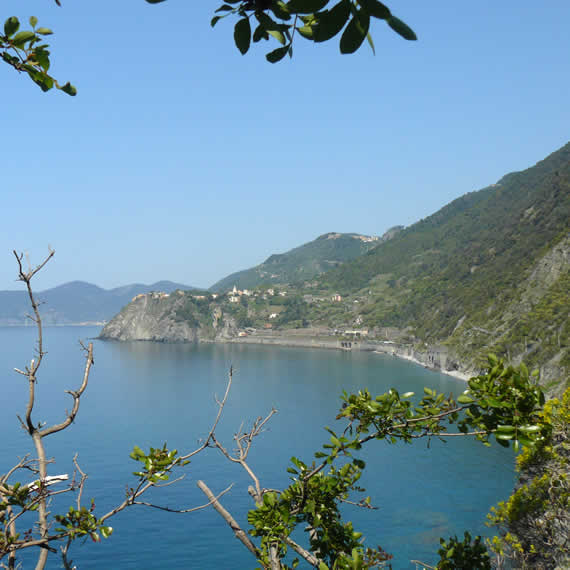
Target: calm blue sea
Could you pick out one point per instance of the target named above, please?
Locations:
(148, 394)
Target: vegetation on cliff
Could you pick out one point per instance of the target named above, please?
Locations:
(535, 520)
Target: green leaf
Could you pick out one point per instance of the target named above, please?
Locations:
(280, 10)
(44, 81)
(504, 436)
(277, 35)
(260, 34)
(44, 31)
(464, 399)
(69, 89)
(355, 32)
(155, 1)
(269, 499)
(376, 9)
(331, 22)
(305, 6)
(306, 32)
(106, 531)
(224, 8)
(33, 21)
(529, 429)
(242, 35)
(323, 566)
(42, 58)
(215, 20)
(21, 38)
(408, 394)
(11, 26)
(506, 429)
(371, 43)
(401, 28)
(277, 54)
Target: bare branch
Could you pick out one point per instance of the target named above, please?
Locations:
(191, 510)
(238, 531)
(76, 396)
(308, 556)
(221, 405)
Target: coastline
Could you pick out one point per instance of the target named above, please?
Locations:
(433, 358)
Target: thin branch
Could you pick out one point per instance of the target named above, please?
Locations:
(221, 406)
(22, 463)
(238, 531)
(81, 481)
(76, 397)
(360, 504)
(191, 510)
(244, 448)
(308, 556)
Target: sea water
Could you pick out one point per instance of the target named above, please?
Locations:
(147, 394)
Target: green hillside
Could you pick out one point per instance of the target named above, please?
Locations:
(304, 262)
(465, 274)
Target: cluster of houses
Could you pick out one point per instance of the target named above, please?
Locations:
(336, 298)
(235, 294)
(152, 295)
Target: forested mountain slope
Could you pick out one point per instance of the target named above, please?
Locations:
(489, 270)
(304, 262)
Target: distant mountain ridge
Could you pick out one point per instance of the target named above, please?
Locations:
(304, 262)
(76, 302)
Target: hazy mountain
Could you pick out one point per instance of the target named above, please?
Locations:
(76, 302)
(304, 262)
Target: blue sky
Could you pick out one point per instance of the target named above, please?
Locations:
(181, 159)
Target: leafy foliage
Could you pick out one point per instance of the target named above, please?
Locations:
(26, 52)
(157, 464)
(504, 402)
(314, 20)
(463, 554)
(535, 520)
(78, 523)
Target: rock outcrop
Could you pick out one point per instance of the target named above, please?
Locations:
(149, 317)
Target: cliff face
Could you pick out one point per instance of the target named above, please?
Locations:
(169, 318)
(148, 317)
